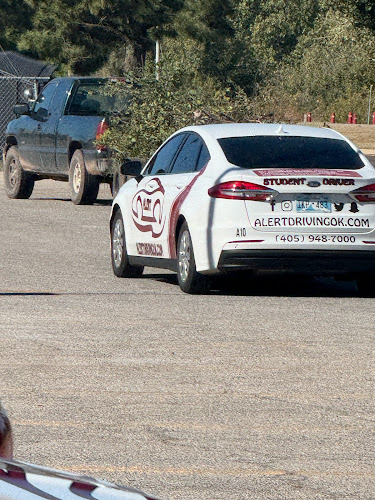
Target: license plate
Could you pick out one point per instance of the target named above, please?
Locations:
(313, 206)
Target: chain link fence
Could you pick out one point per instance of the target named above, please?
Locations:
(12, 91)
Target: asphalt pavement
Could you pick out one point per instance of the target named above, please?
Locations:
(261, 390)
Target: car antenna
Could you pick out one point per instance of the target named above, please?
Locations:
(280, 130)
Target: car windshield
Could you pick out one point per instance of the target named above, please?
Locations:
(91, 99)
(290, 152)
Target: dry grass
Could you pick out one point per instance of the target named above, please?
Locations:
(363, 136)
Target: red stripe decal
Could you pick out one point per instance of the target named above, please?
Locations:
(175, 212)
(83, 490)
(16, 476)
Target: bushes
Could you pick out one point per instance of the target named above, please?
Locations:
(182, 96)
(330, 70)
(268, 70)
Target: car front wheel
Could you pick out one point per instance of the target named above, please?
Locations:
(18, 183)
(189, 279)
(120, 259)
(84, 186)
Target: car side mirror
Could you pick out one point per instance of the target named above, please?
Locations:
(21, 109)
(132, 168)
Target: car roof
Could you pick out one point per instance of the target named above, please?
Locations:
(220, 131)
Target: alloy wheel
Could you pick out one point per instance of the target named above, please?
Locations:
(184, 256)
(118, 242)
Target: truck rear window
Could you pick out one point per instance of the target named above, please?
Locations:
(290, 152)
(89, 100)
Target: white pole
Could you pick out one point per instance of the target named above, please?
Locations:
(157, 59)
(35, 89)
(369, 106)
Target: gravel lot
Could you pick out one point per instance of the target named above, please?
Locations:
(266, 393)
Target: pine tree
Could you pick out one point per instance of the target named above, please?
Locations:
(81, 34)
(14, 19)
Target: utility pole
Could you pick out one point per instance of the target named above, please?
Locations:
(157, 59)
(369, 106)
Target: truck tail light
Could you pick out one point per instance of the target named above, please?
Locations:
(240, 190)
(365, 194)
(102, 127)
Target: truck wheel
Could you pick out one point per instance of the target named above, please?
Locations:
(84, 186)
(18, 183)
(117, 181)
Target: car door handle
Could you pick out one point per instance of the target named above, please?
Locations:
(179, 186)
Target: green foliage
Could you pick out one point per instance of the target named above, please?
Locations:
(80, 34)
(14, 20)
(330, 70)
(221, 51)
(278, 26)
(181, 97)
(361, 11)
(277, 58)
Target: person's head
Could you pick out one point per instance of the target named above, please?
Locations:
(6, 438)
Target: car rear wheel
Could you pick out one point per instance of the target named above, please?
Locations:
(189, 279)
(84, 186)
(120, 259)
(18, 183)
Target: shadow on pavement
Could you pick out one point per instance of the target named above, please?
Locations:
(237, 285)
(101, 202)
(272, 285)
(49, 199)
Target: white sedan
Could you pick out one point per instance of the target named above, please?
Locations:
(256, 197)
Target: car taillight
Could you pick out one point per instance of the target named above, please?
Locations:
(102, 127)
(365, 194)
(240, 190)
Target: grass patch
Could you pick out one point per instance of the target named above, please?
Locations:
(363, 136)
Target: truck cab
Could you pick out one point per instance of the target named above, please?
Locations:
(56, 138)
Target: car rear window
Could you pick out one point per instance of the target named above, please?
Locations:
(290, 152)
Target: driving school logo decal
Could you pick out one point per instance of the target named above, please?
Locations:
(148, 208)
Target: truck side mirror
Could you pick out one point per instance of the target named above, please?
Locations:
(132, 168)
(21, 109)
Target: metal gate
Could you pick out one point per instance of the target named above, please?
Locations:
(12, 91)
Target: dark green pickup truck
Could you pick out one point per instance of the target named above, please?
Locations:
(55, 139)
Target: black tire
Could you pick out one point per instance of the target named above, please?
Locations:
(84, 186)
(18, 183)
(189, 279)
(119, 256)
(117, 181)
(365, 285)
